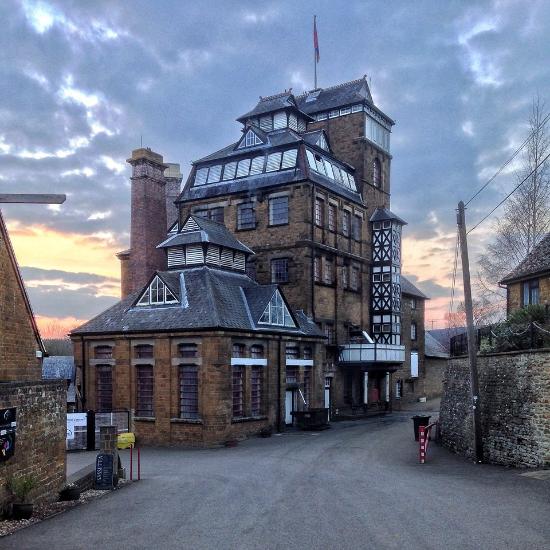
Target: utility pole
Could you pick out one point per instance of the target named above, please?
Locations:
(472, 343)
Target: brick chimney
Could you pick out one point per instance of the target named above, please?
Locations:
(173, 177)
(148, 221)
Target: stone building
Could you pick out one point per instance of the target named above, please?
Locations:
(306, 187)
(529, 282)
(202, 353)
(32, 411)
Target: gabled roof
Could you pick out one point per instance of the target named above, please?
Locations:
(537, 262)
(215, 299)
(284, 100)
(209, 232)
(313, 137)
(259, 134)
(408, 288)
(58, 366)
(382, 214)
(15, 267)
(432, 348)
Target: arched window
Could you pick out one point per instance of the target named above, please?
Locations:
(376, 173)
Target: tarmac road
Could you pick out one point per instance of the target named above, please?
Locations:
(358, 485)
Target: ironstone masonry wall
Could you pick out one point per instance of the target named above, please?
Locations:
(40, 437)
(515, 407)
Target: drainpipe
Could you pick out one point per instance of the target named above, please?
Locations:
(313, 194)
(279, 386)
(83, 394)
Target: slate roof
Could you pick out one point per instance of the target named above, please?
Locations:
(252, 184)
(341, 95)
(210, 232)
(58, 366)
(285, 100)
(444, 335)
(433, 348)
(276, 138)
(408, 288)
(381, 214)
(537, 262)
(213, 298)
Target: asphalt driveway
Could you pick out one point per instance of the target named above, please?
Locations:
(358, 485)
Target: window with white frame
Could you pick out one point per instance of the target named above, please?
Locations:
(414, 364)
(276, 313)
(377, 133)
(413, 330)
(157, 293)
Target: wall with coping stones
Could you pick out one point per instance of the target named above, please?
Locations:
(515, 407)
(40, 436)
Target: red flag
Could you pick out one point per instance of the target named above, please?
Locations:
(315, 39)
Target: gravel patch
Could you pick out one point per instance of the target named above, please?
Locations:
(48, 509)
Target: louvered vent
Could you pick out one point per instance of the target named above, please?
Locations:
(239, 262)
(293, 122)
(266, 123)
(227, 257)
(176, 256)
(213, 254)
(194, 254)
(279, 120)
(257, 165)
(301, 125)
(190, 225)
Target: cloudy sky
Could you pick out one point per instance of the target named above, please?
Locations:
(80, 82)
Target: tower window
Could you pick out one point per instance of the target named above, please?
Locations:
(278, 210)
(376, 173)
(319, 212)
(279, 270)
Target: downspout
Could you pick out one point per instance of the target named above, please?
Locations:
(83, 394)
(279, 386)
(313, 193)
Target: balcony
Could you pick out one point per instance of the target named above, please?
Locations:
(372, 355)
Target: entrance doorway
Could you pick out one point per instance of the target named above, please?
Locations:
(290, 406)
(328, 382)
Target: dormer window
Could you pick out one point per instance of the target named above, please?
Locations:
(276, 313)
(250, 140)
(157, 293)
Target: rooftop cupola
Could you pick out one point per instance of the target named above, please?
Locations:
(276, 112)
(205, 242)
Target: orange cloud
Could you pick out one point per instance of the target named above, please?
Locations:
(39, 246)
(56, 327)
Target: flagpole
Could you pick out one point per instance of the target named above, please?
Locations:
(315, 52)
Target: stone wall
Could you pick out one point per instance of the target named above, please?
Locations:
(515, 300)
(515, 408)
(40, 437)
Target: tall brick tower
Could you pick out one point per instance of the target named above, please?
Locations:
(359, 133)
(173, 178)
(148, 220)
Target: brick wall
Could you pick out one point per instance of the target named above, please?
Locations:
(214, 350)
(515, 408)
(18, 343)
(40, 436)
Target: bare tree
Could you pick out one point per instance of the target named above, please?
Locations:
(526, 217)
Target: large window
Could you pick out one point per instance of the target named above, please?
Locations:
(329, 271)
(238, 391)
(104, 388)
(377, 133)
(278, 210)
(246, 216)
(319, 212)
(279, 270)
(530, 292)
(144, 393)
(189, 392)
(292, 351)
(256, 391)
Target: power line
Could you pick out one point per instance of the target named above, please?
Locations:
(511, 192)
(451, 303)
(515, 154)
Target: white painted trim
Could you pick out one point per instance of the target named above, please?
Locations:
(299, 362)
(279, 193)
(246, 362)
